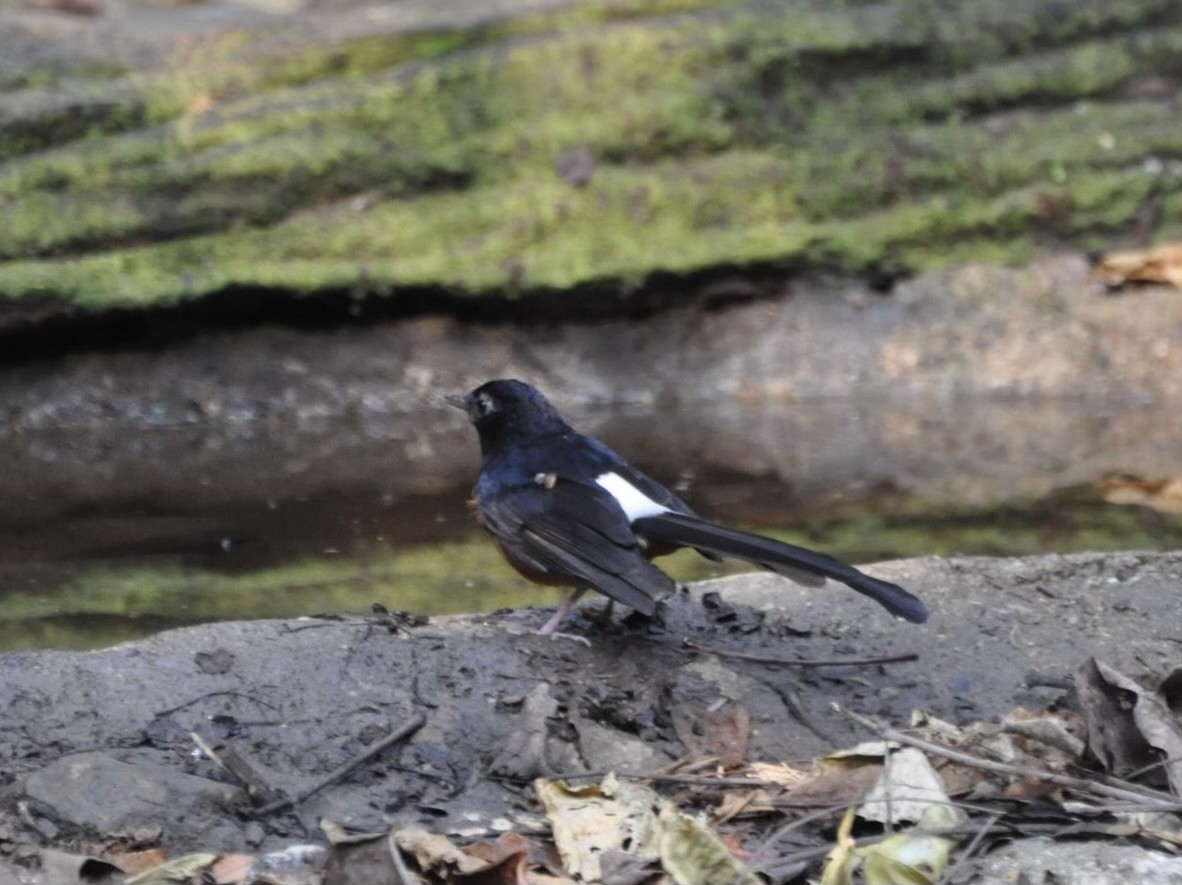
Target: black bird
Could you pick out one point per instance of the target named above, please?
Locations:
(565, 509)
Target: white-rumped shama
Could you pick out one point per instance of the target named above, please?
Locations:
(565, 509)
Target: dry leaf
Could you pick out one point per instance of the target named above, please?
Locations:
(177, 870)
(776, 772)
(509, 870)
(1128, 728)
(1056, 745)
(231, 869)
(724, 734)
(434, 852)
(908, 789)
(692, 854)
(508, 862)
(736, 802)
(1162, 495)
(135, 862)
(362, 861)
(903, 859)
(1159, 264)
(835, 782)
(591, 821)
(293, 865)
(66, 868)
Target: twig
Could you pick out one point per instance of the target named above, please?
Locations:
(819, 814)
(796, 707)
(1160, 763)
(689, 780)
(1158, 800)
(207, 750)
(808, 855)
(343, 770)
(971, 847)
(405, 876)
(798, 662)
(214, 694)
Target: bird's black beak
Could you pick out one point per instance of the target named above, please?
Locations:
(459, 400)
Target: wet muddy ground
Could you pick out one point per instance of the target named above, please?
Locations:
(103, 742)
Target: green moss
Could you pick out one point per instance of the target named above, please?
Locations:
(833, 137)
(545, 234)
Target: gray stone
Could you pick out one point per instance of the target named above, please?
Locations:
(103, 793)
(1043, 862)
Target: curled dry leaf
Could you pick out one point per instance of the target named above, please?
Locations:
(907, 790)
(178, 870)
(435, 852)
(1128, 728)
(1161, 494)
(590, 821)
(1160, 264)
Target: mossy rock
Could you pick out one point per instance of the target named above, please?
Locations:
(597, 143)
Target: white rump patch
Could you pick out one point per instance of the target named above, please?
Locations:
(632, 501)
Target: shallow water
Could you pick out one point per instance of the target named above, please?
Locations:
(108, 534)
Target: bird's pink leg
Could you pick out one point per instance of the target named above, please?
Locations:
(563, 612)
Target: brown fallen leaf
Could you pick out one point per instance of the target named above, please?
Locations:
(65, 868)
(832, 783)
(777, 772)
(722, 733)
(736, 802)
(178, 870)
(1030, 788)
(509, 870)
(362, 861)
(511, 860)
(1128, 728)
(135, 861)
(230, 869)
(1159, 264)
(1163, 495)
(435, 853)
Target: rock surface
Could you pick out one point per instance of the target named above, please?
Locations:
(1043, 862)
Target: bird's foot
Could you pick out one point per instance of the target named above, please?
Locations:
(554, 634)
(563, 612)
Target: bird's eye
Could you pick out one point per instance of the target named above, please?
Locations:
(485, 405)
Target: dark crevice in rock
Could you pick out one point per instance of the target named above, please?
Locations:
(49, 329)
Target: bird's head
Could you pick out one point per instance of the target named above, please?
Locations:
(507, 408)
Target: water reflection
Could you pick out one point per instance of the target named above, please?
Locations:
(106, 535)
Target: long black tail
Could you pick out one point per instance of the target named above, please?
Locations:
(690, 531)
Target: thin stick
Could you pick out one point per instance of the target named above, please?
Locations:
(799, 662)
(208, 751)
(343, 770)
(691, 780)
(1159, 800)
(804, 819)
(971, 847)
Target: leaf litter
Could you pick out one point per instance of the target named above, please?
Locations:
(909, 806)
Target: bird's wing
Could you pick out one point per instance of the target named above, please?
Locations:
(575, 531)
(645, 484)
